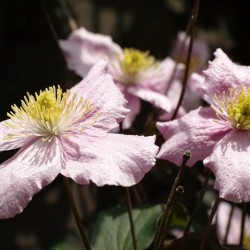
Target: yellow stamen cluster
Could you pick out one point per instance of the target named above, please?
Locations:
(234, 108)
(49, 113)
(135, 61)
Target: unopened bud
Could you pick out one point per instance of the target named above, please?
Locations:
(180, 189)
(187, 154)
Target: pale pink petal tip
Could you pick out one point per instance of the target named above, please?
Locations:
(230, 163)
(83, 49)
(25, 174)
(100, 90)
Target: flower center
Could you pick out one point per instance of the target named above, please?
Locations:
(135, 61)
(234, 108)
(49, 113)
(47, 106)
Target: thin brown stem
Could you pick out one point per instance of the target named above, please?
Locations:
(54, 35)
(208, 226)
(178, 191)
(131, 221)
(70, 19)
(177, 59)
(76, 213)
(190, 47)
(196, 209)
(229, 223)
(243, 219)
(161, 230)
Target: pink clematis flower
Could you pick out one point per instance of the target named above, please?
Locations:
(69, 133)
(219, 135)
(138, 74)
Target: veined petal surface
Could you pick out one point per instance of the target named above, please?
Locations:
(33, 167)
(112, 159)
(196, 131)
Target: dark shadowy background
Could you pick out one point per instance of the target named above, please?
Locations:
(31, 60)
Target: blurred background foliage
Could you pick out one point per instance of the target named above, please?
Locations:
(31, 60)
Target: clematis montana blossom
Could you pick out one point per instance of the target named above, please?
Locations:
(138, 74)
(68, 133)
(219, 135)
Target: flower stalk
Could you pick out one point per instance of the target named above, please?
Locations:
(162, 228)
(208, 226)
(229, 223)
(196, 209)
(76, 213)
(243, 219)
(190, 47)
(130, 215)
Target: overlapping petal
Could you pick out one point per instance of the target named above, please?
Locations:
(160, 76)
(83, 49)
(98, 88)
(111, 159)
(230, 163)
(33, 167)
(134, 106)
(196, 131)
(157, 99)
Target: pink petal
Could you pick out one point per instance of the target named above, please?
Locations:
(83, 49)
(173, 94)
(159, 78)
(222, 74)
(155, 78)
(98, 88)
(157, 99)
(112, 159)
(197, 131)
(134, 105)
(196, 83)
(26, 173)
(231, 166)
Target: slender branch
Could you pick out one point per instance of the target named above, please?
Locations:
(178, 191)
(243, 219)
(190, 47)
(208, 226)
(131, 221)
(229, 223)
(196, 209)
(54, 35)
(160, 234)
(76, 213)
(72, 23)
